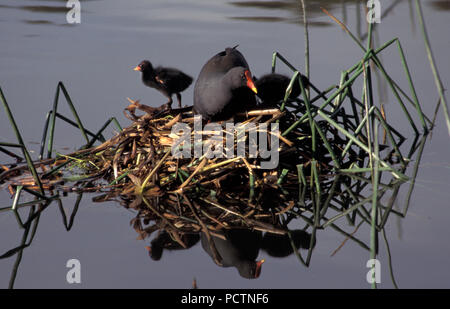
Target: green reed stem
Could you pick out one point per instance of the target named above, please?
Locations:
(21, 142)
(396, 173)
(305, 25)
(390, 136)
(252, 186)
(411, 87)
(414, 174)
(327, 145)
(430, 55)
(388, 251)
(325, 104)
(61, 87)
(357, 131)
(373, 226)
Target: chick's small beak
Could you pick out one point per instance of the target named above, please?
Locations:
(250, 83)
(138, 68)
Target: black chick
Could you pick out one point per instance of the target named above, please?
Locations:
(168, 81)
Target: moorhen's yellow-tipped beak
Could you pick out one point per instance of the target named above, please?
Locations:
(138, 68)
(250, 83)
(258, 268)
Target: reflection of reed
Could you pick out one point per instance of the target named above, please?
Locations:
(43, 8)
(314, 11)
(440, 5)
(291, 7)
(37, 22)
(44, 11)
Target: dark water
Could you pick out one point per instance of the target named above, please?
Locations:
(95, 59)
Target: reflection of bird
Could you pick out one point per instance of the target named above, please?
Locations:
(280, 245)
(168, 81)
(272, 87)
(240, 250)
(224, 86)
(164, 241)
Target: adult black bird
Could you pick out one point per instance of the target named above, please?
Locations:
(224, 86)
(168, 81)
(240, 249)
(280, 245)
(272, 87)
(165, 242)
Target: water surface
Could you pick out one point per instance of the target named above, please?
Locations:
(95, 59)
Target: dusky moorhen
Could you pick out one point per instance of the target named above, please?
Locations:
(224, 86)
(240, 250)
(168, 81)
(165, 242)
(280, 245)
(272, 87)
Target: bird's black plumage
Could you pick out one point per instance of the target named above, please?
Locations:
(272, 87)
(165, 242)
(240, 250)
(280, 245)
(224, 86)
(168, 81)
